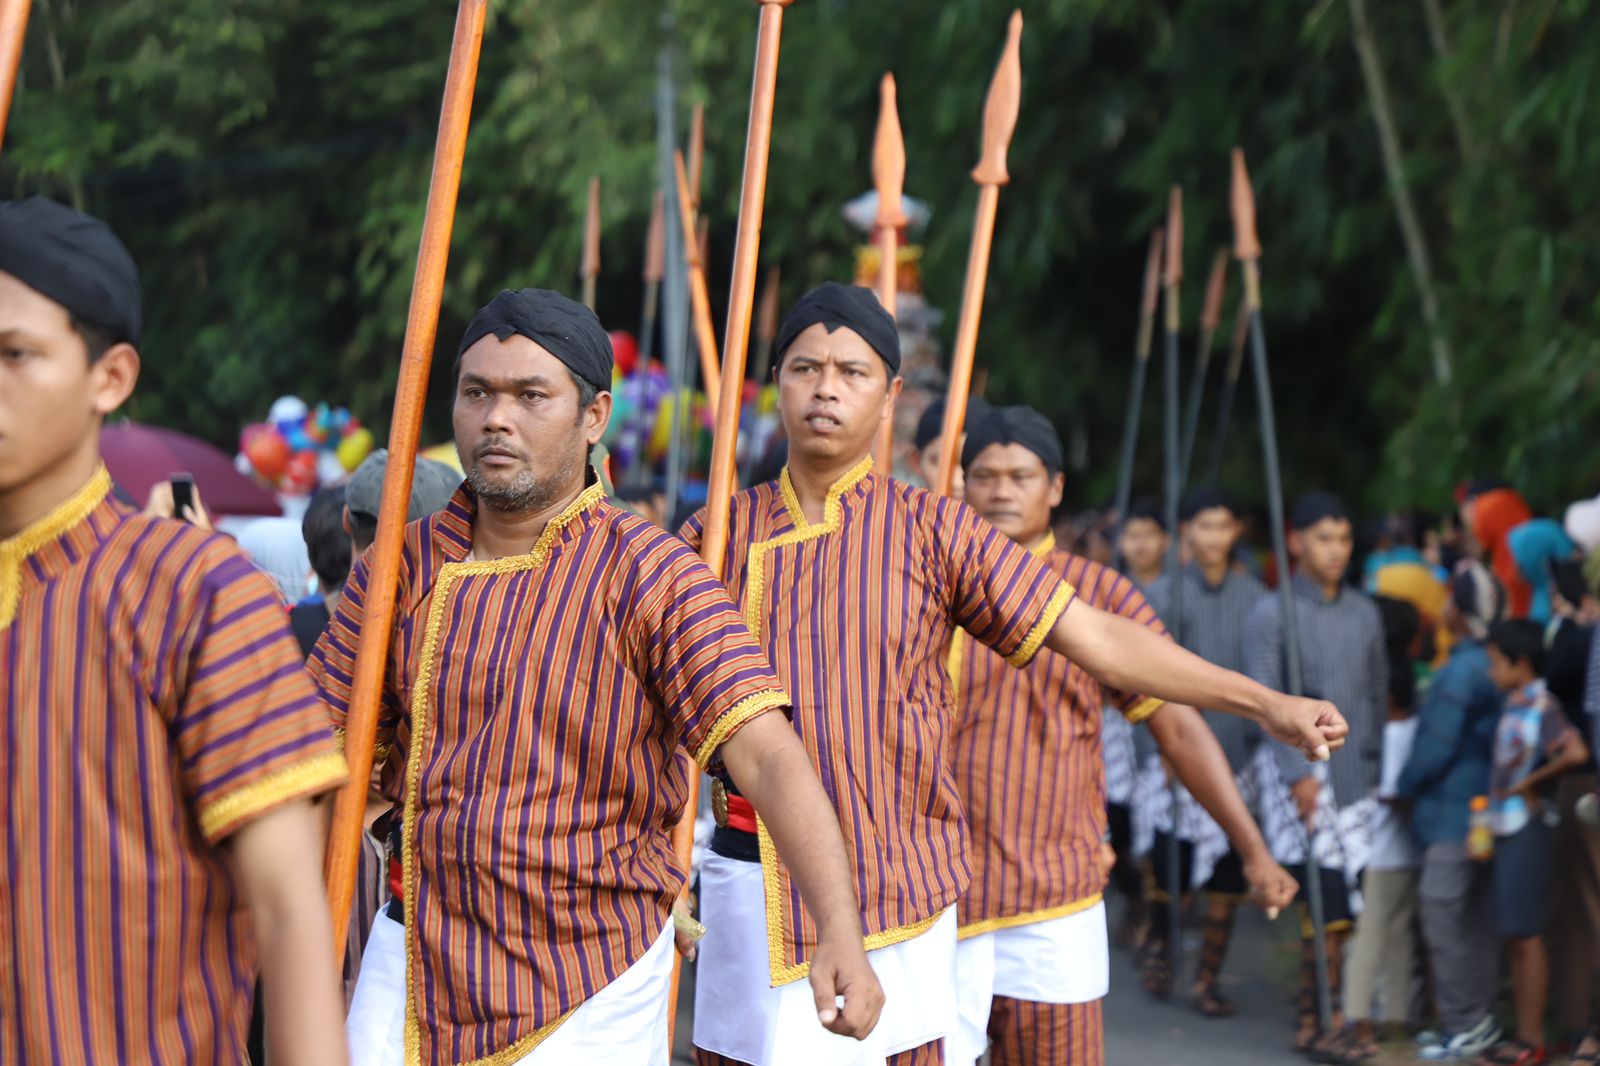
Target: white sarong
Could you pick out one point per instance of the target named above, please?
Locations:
(737, 1012)
(623, 1024)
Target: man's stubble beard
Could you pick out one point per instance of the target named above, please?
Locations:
(524, 492)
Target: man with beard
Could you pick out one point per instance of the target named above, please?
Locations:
(1033, 956)
(551, 654)
(856, 583)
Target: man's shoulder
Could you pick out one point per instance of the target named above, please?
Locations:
(154, 548)
(641, 542)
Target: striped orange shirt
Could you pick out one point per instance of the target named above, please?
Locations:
(856, 613)
(154, 702)
(535, 706)
(1027, 762)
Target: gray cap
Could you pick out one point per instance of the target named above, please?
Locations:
(431, 486)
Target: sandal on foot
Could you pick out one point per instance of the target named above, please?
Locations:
(1208, 1002)
(1308, 1034)
(1155, 974)
(1514, 1053)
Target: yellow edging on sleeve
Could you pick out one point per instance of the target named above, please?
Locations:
(302, 779)
(1059, 600)
(729, 723)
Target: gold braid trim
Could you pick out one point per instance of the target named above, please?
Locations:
(731, 721)
(380, 750)
(221, 816)
(427, 659)
(1142, 710)
(1059, 600)
(777, 936)
(954, 661)
(16, 550)
(521, 1048)
(989, 925)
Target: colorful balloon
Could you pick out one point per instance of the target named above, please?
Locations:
(286, 409)
(267, 451)
(624, 350)
(300, 475)
(354, 448)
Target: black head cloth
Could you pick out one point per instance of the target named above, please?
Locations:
(1015, 425)
(563, 327)
(74, 260)
(1206, 498)
(1313, 507)
(850, 307)
(931, 424)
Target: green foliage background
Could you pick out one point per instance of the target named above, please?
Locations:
(267, 161)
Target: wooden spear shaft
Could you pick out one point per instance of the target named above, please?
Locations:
(422, 322)
(591, 244)
(889, 175)
(1148, 296)
(999, 123)
(1247, 249)
(13, 30)
(736, 344)
(1173, 484)
(699, 297)
(1230, 385)
(1210, 318)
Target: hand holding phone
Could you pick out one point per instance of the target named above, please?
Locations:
(182, 496)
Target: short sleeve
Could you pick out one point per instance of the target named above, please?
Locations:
(1553, 728)
(1001, 594)
(700, 661)
(332, 666)
(250, 731)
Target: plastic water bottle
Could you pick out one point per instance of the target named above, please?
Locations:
(1480, 830)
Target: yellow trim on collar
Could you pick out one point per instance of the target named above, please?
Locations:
(1045, 546)
(305, 778)
(989, 925)
(427, 659)
(1059, 599)
(18, 549)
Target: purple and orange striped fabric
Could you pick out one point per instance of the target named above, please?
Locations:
(154, 703)
(535, 708)
(1026, 749)
(856, 613)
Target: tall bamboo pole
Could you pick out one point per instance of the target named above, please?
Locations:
(422, 322)
(1173, 484)
(699, 297)
(736, 343)
(13, 30)
(591, 244)
(999, 123)
(1247, 249)
(889, 177)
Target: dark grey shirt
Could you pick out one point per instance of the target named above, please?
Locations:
(1343, 661)
(1213, 628)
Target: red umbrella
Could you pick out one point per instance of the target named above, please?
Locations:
(139, 456)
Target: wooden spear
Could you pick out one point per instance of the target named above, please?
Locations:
(655, 268)
(1141, 365)
(13, 29)
(697, 155)
(1247, 249)
(736, 341)
(422, 322)
(999, 123)
(699, 297)
(767, 323)
(1230, 385)
(889, 177)
(1210, 318)
(591, 244)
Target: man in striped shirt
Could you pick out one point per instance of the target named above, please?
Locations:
(1033, 957)
(1342, 658)
(1217, 597)
(552, 653)
(855, 584)
(161, 745)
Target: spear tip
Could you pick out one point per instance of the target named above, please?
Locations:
(889, 158)
(1174, 236)
(655, 245)
(1211, 317)
(591, 232)
(1001, 108)
(1152, 275)
(1242, 199)
(697, 151)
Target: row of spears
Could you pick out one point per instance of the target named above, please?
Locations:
(725, 376)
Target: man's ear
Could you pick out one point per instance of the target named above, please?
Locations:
(113, 377)
(596, 417)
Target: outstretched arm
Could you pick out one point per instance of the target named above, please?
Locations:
(277, 860)
(773, 771)
(1200, 764)
(1128, 656)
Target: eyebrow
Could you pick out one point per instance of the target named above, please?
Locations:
(535, 380)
